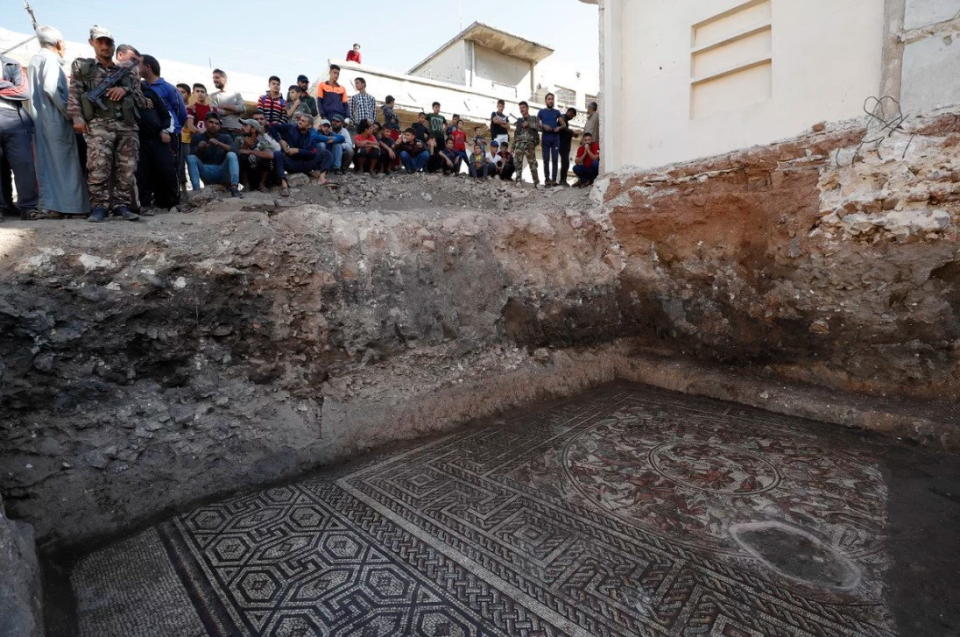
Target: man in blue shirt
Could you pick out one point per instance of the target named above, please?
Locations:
(550, 143)
(301, 151)
(330, 141)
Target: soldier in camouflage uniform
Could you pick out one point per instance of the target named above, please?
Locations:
(111, 133)
(525, 143)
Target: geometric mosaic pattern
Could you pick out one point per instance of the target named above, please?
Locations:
(603, 515)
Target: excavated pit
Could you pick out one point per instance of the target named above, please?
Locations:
(149, 366)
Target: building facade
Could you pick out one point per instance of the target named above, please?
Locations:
(495, 62)
(682, 79)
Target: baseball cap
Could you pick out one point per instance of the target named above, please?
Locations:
(494, 143)
(252, 122)
(303, 78)
(97, 31)
(336, 117)
(324, 122)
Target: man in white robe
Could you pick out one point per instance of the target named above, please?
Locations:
(62, 184)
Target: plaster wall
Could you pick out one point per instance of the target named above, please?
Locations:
(931, 50)
(501, 74)
(448, 66)
(707, 78)
(920, 13)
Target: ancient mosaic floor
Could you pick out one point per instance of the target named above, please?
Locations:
(629, 512)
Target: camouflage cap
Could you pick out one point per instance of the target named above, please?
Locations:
(97, 31)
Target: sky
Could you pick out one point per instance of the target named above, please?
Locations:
(261, 38)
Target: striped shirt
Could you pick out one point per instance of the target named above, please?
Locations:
(274, 109)
(363, 107)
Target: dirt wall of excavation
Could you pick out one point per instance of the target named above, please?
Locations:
(825, 258)
(147, 366)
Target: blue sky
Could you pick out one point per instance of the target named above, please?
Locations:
(261, 38)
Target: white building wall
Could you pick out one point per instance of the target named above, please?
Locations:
(931, 54)
(501, 74)
(415, 93)
(448, 66)
(686, 78)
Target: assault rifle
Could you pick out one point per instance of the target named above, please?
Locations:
(95, 95)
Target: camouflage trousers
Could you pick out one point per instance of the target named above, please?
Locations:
(529, 152)
(113, 149)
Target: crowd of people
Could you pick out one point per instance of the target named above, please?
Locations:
(113, 137)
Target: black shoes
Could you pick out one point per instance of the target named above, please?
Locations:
(98, 214)
(124, 213)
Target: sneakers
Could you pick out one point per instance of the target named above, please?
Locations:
(124, 213)
(235, 192)
(98, 214)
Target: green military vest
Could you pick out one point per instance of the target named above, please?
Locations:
(126, 109)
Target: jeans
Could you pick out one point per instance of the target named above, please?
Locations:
(226, 173)
(414, 164)
(551, 152)
(587, 173)
(482, 170)
(16, 147)
(336, 154)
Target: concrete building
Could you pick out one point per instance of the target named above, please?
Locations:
(683, 79)
(486, 59)
(508, 66)
(471, 71)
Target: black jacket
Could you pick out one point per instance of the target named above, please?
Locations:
(153, 120)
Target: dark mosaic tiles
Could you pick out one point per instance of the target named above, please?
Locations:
(626, 512)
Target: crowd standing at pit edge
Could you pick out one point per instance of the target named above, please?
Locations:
(111, 137)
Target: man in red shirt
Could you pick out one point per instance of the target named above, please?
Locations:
(588, 161)
(197, 113)
(353, 55)
(460, 142)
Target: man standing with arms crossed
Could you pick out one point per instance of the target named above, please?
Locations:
(228, 105)
(109, 127)
(499, 125)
